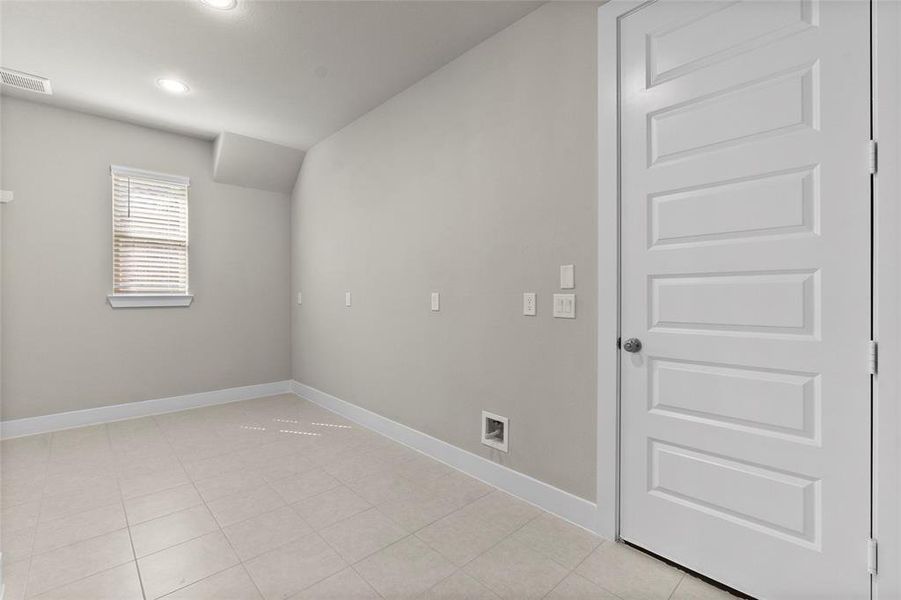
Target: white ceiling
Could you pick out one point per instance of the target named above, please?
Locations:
(286, 72)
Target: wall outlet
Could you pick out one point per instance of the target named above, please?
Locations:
(299, 298)
(565, 306)
(495, 431)
(436, 301)
(567, 277)
(529, 307)
(346, 298)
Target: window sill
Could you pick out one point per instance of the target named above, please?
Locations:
(149, 300)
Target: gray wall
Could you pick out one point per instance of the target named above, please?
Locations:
(63, 347)
(477, 182)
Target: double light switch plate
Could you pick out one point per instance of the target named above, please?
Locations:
(565, 306)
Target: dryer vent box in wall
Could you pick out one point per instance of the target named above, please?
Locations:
(495, 431)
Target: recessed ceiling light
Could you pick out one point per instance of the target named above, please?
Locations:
(173, 86)
(221, 4)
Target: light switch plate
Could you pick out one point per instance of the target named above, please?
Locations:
(346, 298)
(565, 306)
(299, 298)
(529, 307)
(436, 301)
(567, 277)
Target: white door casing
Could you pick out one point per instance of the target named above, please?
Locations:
(745, 261)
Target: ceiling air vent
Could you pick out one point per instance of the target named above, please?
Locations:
(24, 81)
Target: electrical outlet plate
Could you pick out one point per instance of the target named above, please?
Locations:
(564, 306)
(567, 277)
(436, 302)
(299, 298)
(529, 307)
(346, 298)
(495, 431)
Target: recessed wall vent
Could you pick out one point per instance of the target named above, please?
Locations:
(495, 431)
(24, 81)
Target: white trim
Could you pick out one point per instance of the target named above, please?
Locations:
(887, 297)
(142, 173)
(149, 300)
(119, 412)
(608, 414)
(567, 506)
(5, 197)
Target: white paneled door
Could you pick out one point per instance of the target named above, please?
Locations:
(745, 206)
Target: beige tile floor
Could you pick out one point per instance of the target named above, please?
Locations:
(277, 498)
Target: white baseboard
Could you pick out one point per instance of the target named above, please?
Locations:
(556, 501)
(576, 510)
(118, 412)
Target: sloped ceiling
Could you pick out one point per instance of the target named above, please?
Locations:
(287, 72)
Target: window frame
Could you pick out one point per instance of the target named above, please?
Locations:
(147, 300)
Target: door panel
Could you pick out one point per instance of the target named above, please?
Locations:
(746, 274)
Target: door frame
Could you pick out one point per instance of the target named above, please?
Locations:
(887, 297)
(886, 269)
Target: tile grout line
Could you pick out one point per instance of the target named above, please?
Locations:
(128, 525)
(218, 525)
(131, 540)
(108, 471)
(422, 453)
(345, 560)
(221, 530)
(82, 578)
(676, 587)
(499, 542)
(241, 561)
(540, 513)
(26, 595)
(315, 532)
(461, 571)
(394, 543)
(350, 565)
(557, 585)
(573, 571)
(168, 514)
(581, 562)
(364, 580)
(38, 518)
(359, 446)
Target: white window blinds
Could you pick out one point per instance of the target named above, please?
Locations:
(150, 232)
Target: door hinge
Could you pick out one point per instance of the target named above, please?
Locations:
(872, 557)
(873, 357)
(872, 156)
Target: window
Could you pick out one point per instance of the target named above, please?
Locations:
(150, 239)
